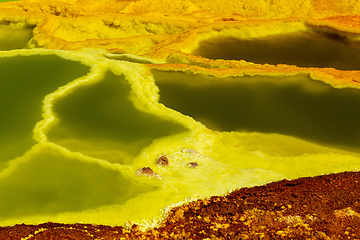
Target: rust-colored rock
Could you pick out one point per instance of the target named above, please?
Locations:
(324, 207)
(163, 161)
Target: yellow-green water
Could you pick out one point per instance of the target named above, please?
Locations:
(301, 48)
(76, 126)
(14, 36)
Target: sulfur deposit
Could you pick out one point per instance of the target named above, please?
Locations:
(121, 113)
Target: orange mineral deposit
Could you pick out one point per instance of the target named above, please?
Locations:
(242, 116)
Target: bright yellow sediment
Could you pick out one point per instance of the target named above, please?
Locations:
(89, 119)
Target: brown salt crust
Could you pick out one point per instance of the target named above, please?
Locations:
(147, 172)
(163, 161)
(323, 207)
(193, 164)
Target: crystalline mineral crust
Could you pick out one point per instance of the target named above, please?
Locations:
(115, 112)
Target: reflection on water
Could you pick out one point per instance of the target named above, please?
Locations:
(14, 37)
(296, 106)
(25, 81)
(303, 49)
(99, 120)
(96, 120)
(51, 183)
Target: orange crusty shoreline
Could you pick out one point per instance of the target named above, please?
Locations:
(323, 207)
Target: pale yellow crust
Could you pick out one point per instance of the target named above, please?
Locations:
(164, 34)
(164, 30)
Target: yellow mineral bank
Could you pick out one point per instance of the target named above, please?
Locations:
(114, 111)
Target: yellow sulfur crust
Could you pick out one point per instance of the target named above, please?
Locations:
(132, 57)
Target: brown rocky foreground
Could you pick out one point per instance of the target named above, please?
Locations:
(323, 207)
